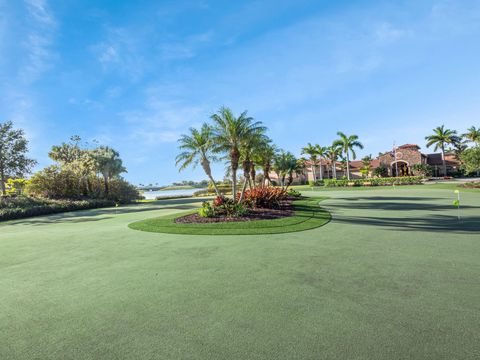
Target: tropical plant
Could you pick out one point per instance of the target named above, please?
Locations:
(230, 133)
(470, 160)
(311, 151)
(348, 144)
(13, 154)
(440, 138)
(422, 169)
(473, 135)
(264, 158)
(16, 186)
(286, 165)
(249, 146)
(108, 164)
(366, 166)
(381, 170)
(197, 148)
(332, 154)
(321, 153)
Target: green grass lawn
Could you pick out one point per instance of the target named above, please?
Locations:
(308, 215)
(394, 275)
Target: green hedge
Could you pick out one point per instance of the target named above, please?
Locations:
(405, 180)
(23, 206)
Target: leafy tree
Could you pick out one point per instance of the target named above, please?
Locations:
(13, 154)
(312, 152)
(381, 170)
(470, 159)
(230, 133)
(66, 153)
(348, 144)
(197, 149)
(423, 169)
(108, 164)
(442, 137)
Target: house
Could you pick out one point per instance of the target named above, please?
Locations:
(399, 162)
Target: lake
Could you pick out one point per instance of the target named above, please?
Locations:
(164, 193)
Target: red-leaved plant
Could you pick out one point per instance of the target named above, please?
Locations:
(264, 197)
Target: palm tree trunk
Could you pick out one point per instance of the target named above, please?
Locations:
(348, 166)
(444, 163)
(321, 170)
(243, 190)
(313, 172)
(208, 171)
(234, 183)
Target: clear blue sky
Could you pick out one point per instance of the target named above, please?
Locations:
(136, 74)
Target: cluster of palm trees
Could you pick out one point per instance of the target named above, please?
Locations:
(442, 138)
(340, 149)
(242, 143)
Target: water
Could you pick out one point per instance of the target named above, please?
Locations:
(164, 193)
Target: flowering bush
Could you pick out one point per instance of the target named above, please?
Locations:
(266, 197)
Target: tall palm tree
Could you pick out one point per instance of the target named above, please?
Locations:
(197, 149)
(347, 144)
(473, 135)
(333, 152)
(321, 153)
(311, 151)
(440, 138)
(230, 132)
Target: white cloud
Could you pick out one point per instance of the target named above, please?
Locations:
(39, 41)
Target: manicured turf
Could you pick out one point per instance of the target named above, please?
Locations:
(394, 275)
(308, 215)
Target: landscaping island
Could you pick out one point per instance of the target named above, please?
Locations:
(305, 214)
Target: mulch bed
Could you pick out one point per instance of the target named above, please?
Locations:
(285, 210)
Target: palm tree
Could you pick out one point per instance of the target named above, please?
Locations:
(263, 157)
(230, 133)
(348, 144)
(197, 149)
(108, 163)
(332, 153)
(440, 138)
(473, 135)
(311, 151)
(285, 165)
(249, 146)
(321, 152)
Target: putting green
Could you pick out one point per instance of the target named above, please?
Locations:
(393, 275)
(308, 215)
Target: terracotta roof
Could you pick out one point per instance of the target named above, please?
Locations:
(436, 159)
(407, 146)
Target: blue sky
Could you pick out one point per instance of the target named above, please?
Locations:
(136, 74)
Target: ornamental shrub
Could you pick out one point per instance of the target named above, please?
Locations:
(406, 180)
(264, 197)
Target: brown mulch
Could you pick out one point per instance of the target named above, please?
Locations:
(285, 210)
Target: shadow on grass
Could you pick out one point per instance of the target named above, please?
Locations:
(90, 215)
(398, 204)
(430, 223)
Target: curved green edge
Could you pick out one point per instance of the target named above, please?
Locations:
(308, 215)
